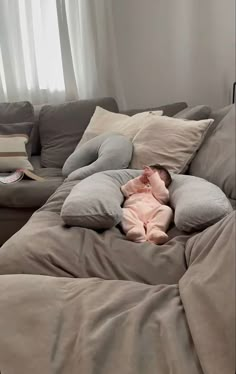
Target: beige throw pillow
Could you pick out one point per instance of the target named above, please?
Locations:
(13, 153)
(105, 121)
(168, 141)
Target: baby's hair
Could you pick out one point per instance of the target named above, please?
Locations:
(168, 176)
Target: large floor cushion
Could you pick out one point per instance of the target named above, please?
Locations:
(29, 193)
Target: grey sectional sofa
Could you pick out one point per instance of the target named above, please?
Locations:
(87, 301)
(52, 124)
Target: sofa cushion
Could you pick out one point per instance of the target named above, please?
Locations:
(62, 126)
(171, 142)
(12, 220)
(36, 162)
(16, 112)
(216, 159)
(104, 121)
(104, 152)
(196, 113)
(29, 193)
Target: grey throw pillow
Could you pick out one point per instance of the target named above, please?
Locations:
(197, 203)
(216, 159)
(95, 202)
(196, 113)
(104, 152)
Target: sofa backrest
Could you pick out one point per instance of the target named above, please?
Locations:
(168, 110)
(22, 111)
(57, 117)
(216, 159)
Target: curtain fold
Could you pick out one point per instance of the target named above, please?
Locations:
(57, 50)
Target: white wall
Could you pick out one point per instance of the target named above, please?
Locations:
(173, 50)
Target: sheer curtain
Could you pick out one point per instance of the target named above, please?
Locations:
(57, 50)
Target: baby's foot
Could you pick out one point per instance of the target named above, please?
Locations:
(135, 235)
(158, 237)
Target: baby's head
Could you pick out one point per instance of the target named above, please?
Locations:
(163, 172)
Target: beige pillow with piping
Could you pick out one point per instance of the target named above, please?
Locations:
(168, 141)
(105, 121)
(13, 153)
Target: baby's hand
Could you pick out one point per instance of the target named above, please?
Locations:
(143, 179)
(148, 172)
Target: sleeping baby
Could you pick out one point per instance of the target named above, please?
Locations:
(146, 217)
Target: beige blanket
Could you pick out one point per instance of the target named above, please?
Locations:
(108, 306)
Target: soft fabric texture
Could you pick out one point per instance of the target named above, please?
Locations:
(95, 202)
(13, 153)
(168, 110)
(24, 128)
(62, 126)
(12, 220)
(30, 193)
(216, 159)
(197, 203)
(103, 121)
(19, 113)
(174, 311)
(171, 142)
(196, 113)
(16, 112)
(145, 215)
(104, 152)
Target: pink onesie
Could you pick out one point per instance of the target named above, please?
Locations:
(145, 217)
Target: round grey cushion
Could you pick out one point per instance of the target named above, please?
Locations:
(104, 152)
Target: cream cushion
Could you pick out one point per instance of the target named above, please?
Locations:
(13, 153)
(105, 121)
(171, 142)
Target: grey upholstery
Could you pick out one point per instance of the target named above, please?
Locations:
(104, 152)
(168, 110)
(197, 203)
(59, 122)
(29, 193)
(17, 112)
(196, 113)
(216, 159)
(62, 126)
(12, 220)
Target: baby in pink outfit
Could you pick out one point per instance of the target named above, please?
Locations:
(146, 217)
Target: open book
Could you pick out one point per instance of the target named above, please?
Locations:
(19, 174)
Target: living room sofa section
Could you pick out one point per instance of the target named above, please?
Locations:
(53, 125)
